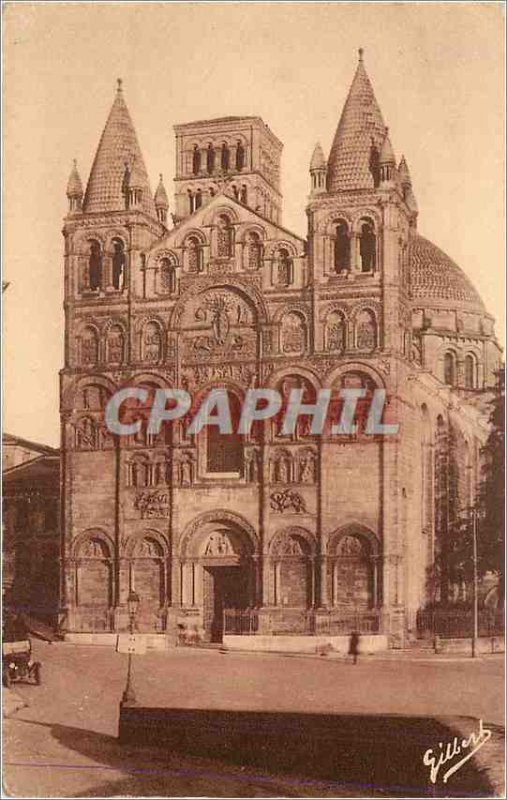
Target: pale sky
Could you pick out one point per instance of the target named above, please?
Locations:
(437, 71)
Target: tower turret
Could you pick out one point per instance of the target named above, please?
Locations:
(407, 191)
(161, 201)
(387, 162)
(74, 190)
(318, 171)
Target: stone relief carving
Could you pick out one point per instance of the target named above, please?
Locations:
(289, 546)
(152, 504)
(287, 500)
(349, 546)
(93, 549)
(218, 544)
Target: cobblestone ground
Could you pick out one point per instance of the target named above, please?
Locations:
(64, 743)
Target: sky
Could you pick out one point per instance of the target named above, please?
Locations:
(438, 75)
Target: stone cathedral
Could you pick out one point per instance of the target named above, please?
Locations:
(266, 533)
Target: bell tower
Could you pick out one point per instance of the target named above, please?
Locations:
(236, 155)
(359, 219)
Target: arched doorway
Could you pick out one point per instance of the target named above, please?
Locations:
(218, 574)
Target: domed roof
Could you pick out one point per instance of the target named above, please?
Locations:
(435, 276)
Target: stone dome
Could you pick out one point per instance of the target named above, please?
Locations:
(435, 278)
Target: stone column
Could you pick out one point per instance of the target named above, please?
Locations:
(324, 599)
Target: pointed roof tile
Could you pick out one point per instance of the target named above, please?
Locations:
(161, 199)
(318, 161)
(74, 185)
(117, 148)
(360, 128)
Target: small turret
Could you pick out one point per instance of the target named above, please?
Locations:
(74, 190)
(161, 201)
(133, 186)
(406, 189)
(387, 161)
(318, 170)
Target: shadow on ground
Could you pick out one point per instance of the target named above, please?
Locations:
(178, 752)
(159, 772)
(365, 751)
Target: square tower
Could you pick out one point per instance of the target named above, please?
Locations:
(236, 155)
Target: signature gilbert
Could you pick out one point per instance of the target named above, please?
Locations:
(436, 759)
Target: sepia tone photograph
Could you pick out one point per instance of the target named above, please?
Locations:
(253, 384)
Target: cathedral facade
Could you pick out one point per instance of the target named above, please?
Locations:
(265, 533)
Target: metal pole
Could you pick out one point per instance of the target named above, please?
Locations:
(475, 589)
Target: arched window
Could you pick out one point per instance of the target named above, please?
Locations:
(293, 333)
(450, 369)
(167, 276)
(335, 332)
(235, 191)
(285, 267)
(196, 160)
(367, 246)
(211, 191)
(89, 347)
(366, 330)
(118, 264)
(225, 157)
(240, 156)
(191, 202)
(94, 266)
(224, 451)
(224, 237)
(198, 199)
(210, 158)
(254, 251)
(470, 372)
(244, 194)
(194, 250)
(342, 248)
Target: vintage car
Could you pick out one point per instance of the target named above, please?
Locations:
(17, 664)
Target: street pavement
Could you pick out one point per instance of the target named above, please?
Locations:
(64, 744)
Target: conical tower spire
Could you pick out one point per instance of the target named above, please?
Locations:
(353, 160)
(318, 161)
(74, 189)
(406, 188)
(404, 173)
(118, 148)
(161, 201)
(318, 171)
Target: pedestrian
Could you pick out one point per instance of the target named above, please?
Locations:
(354, 646)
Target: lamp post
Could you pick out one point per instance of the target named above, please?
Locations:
(129, 695)
(475, 595)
